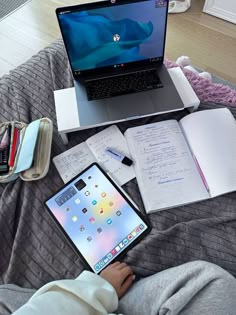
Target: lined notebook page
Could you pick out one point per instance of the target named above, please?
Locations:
(166, 173)
(212, 137)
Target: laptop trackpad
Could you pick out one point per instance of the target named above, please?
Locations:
(128, 106)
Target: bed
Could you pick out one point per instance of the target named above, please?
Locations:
(33, 251)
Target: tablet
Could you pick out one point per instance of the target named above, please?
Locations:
(97, 218)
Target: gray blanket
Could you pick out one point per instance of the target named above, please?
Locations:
(33, 251)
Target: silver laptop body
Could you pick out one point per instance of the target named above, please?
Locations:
(110, 39)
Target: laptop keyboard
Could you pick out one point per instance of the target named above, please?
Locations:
(124, 84)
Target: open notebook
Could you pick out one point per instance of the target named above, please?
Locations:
(187, 161)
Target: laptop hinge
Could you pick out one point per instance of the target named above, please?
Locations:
(120, 73)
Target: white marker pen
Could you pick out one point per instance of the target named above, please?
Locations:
(118, 156)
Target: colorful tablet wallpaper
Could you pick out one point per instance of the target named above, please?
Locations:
(96, 217)
(114, 35)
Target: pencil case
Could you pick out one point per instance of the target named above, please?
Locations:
(29, 149)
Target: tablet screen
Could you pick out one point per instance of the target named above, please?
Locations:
(96, 217)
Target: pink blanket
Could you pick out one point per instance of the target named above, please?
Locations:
(206, 90)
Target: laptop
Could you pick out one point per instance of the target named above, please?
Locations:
(116, 53)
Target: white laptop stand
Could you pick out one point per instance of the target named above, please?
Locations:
(67, 110)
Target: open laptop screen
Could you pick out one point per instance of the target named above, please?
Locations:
(113, 34)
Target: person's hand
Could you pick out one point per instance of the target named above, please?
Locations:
(120, 276)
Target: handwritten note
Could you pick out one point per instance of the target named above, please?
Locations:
(74, 160)
(165, 170)
(71, 162)
(111, 137)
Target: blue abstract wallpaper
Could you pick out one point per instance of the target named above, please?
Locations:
(114, 35)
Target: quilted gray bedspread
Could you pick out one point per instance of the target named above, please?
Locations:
(33, 251)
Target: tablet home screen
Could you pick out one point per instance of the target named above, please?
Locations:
(96, 217)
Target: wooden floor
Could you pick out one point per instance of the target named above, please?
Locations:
(208, 41)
